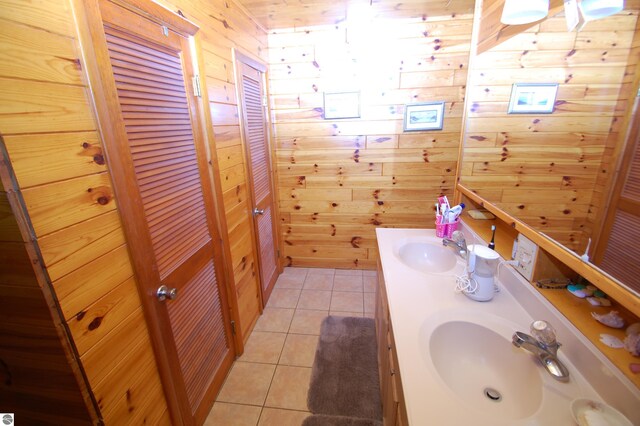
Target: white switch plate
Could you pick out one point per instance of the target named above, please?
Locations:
(526, 254)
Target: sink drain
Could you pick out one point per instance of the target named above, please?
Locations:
(492, 394)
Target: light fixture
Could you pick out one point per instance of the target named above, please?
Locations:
(596, 9)
(518, 12)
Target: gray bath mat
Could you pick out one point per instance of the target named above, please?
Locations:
(344, 379)
(322, 420)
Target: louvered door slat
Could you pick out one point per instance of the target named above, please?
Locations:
(166, 164)
(148, 138)
(170, 210)
(256, 140)
(632, 185)
(618, 260)
(162, 156)
(154, 115)
(144, 164)
(147, 54)
(133, 65)
(159, 179)
(137, 89)
(128, 110)
(267, 255)
(132, 62)
(128, 76)
(198, 365)
(172, 145)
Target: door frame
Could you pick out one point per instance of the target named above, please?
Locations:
(104, 100)
(239, 56)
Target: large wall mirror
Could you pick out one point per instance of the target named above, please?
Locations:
(556, 171)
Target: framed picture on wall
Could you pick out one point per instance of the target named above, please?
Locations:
(341, 105)
(533, 98)
(423, 116)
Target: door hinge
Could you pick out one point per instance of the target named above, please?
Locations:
(265, 101)
(197, 90)
(233, 327)
(278, 253)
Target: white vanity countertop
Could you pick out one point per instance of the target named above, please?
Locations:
(419, 302)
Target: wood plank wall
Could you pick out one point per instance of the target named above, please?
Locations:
(340, 179)
(50, 133)
(38, 381)
(224, 26)
(55, 151)
(550, 170)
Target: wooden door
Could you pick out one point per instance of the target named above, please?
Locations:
(256, 140)
(149, 120)
(621, 225)
(615, 252)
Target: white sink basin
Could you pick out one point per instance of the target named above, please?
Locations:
(425, 255)
(485, 370)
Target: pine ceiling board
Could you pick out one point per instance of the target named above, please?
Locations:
(299, 13)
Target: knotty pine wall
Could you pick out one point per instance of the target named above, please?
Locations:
(51, 137)
(551, 170)
(39, 383)
(55, 151)
(340, 179)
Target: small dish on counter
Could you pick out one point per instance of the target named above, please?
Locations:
(587, 412)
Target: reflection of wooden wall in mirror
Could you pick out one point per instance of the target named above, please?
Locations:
(626, 298)
(551, 171)
(492, 32)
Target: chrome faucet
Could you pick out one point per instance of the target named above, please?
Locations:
(546, 351)
(457, 240)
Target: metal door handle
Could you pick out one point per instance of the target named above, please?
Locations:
(257, 211)
(165, 292)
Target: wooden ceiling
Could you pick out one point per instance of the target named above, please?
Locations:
(273, 14)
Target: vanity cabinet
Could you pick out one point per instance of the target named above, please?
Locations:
(393, 408)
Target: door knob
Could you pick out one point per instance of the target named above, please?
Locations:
(165, 292)
(257, 211)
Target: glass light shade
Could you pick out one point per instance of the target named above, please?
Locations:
(518, 12)
(596, 9)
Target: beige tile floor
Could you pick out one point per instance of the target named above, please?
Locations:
(268, 384)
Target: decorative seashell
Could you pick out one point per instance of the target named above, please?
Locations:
(577, 290)
(632, 344)
(612, 319)
(611, 341)
(595, 301)
(633, 329)
(604, 301)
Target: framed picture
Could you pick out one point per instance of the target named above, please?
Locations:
(341, 105)
(533, 98)
(423, 116)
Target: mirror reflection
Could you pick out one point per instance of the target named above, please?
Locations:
(563, 173)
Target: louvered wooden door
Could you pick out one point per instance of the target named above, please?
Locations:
(160, 175)
(260, 172)
(620, 259)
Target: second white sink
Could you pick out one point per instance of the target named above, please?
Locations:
(485, 371)
(425, 256)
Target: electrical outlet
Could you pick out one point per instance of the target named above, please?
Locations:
(526, 254)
